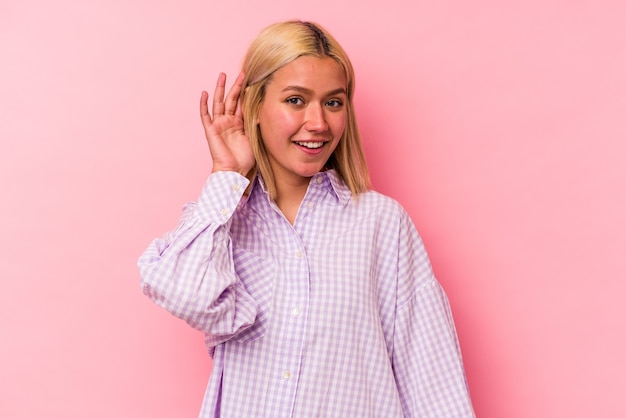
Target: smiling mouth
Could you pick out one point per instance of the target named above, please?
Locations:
(311, 145)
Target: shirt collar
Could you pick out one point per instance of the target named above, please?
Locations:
(328, 180)
(339, 189)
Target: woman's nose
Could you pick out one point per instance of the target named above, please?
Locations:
(315, 119)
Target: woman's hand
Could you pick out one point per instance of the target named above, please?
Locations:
(225, 134)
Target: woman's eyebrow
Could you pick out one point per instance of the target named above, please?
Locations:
(304, 90)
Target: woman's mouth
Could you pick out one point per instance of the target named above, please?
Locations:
(311, 145)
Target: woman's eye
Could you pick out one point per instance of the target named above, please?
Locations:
(334, 103)
(295, 100)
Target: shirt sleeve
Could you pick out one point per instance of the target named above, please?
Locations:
(426, 359)
(190, 271)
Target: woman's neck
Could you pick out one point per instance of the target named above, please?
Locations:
(289, 196)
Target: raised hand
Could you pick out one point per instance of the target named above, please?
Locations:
(224, 131)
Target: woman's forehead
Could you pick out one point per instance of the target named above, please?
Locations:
(309, 73)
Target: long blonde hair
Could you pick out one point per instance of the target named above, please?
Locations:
(276, 46)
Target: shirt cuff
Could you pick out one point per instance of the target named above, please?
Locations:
(221, 195)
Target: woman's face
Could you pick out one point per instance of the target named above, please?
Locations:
(302, 117)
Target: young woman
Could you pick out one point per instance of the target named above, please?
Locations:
(315, 293)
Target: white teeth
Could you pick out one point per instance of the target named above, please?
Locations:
(311, 145)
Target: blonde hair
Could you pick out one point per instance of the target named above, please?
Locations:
(276, 46)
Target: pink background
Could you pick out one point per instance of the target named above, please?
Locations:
(501, 129)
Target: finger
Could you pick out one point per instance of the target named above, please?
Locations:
(204, 110)
(218, 96)
(238, 110)
(232, 100)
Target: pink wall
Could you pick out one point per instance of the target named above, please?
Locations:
(501, 129)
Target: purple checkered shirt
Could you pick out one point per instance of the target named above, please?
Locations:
(336, 316)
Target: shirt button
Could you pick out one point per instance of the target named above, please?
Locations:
(318, 179)
(295, 312)
(310, 205)
(224, 211)
(286, 374)
(235, 187)
(299, 254)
